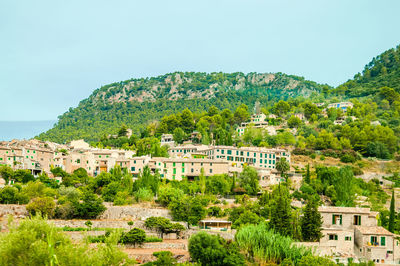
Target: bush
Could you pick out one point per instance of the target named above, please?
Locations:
(151, 239)
(213, 250)
(134, 236)
(143, 194)
(45, 206)
(313, 156)
(89, 208)
(35, 242)
(347, 158)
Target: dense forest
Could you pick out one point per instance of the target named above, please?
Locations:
(137, 102)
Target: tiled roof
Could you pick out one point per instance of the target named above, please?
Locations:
(373, 230)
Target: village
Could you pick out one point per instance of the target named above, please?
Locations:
(347, 232)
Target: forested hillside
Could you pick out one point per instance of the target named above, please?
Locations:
(383, 70)
(137, 102)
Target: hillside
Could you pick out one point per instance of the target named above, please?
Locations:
(136, 102)
(383, 70)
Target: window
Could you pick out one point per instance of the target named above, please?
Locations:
(78, 161)
(28, 151)
(174, 171)
(210, 171)
(99, 156)
(132, 168)
(210, 164)
(357, 220)
(336, 219)
(389, 252)
(248, 154)
(222, 151)
(34, 151)
(229, 152)
(192, 170)
(173, 164)
(374, 240)
(333, 237)
(183, 164)
(260, 160)
(347, 238)
(173, 177)
(383, 241)
(183, 170)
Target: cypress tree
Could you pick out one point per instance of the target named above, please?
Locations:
(281, 213)
(392, 214)
(311, 222)
(307, 178)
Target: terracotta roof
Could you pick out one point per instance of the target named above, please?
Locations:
(373, 230)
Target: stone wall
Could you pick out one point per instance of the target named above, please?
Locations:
(133, 212)
(18, 211)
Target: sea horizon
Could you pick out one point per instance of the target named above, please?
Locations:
(10, 130)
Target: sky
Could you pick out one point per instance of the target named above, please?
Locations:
(53, 54)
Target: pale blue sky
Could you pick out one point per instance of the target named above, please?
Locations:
(55, 53)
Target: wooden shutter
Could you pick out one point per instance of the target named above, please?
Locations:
(383, 241)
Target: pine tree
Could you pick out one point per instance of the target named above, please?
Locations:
(307, 178)
(392, 214)
(281, 212)
(311, 222)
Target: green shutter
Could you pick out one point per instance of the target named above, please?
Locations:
(336, 237)
(383, 241)
(333, 219)
(340, 219)
(359, 220)
(372, 240)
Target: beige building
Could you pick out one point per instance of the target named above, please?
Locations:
(377, 244)
(178, 168)
(255, 156)
(353, 232)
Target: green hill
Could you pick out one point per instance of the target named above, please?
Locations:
(136, 102)
(383, 70)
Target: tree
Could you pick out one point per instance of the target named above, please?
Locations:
(249, 180)
(392, 214)
(43, 205)
(179, 135)
(7, 173)
(307, 178)
(147, 180)
(294, 121)
(163, 225)
(202, 181)
(343, 184)
(214, 251)
(282, 166)
(311, 222)
(281, 212)
(134, 236)
(90, 207)
(281, 108)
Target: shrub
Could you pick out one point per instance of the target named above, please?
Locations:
(151, 239)
(143, 194)
(45, 206)
(214, 250)
(168, 194)
(313, 156)
(35, 242)
(134, 236)
(347, 158)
